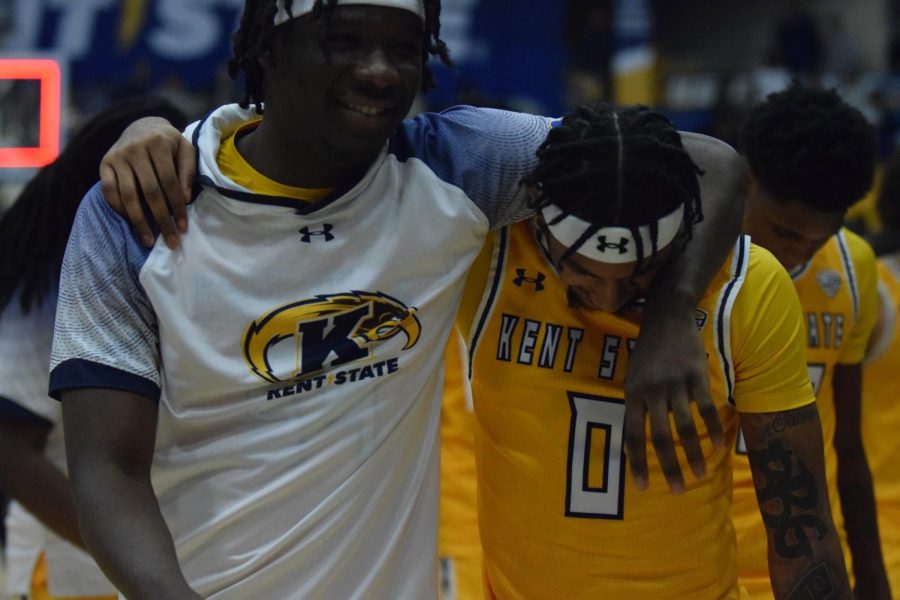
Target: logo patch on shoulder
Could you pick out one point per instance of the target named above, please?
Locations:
(829, 281)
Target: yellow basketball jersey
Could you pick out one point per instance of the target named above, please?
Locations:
(559, 516)
(459, 547)
(881, 417)
(838, 293)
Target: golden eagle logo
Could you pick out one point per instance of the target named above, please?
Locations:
(302, 339)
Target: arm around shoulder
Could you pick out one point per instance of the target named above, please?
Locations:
(669, 371)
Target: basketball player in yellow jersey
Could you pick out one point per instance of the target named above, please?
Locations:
(811, 156)
(881, 414)
(551, 313)
(459, 546)
(881, 385)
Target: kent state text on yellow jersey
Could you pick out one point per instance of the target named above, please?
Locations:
(559, 515)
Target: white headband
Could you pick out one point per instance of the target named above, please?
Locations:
(612, 244)
(302, 7)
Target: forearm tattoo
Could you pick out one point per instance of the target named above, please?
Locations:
(789, 485)
(794, 418)
(817, 584)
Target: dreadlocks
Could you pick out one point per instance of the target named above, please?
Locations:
(254, 36)
(617, 167)
(34, 231)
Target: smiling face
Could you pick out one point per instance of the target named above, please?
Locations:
(792, 231)
(596, 285)
(337, 86)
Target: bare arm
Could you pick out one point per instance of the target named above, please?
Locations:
(152, 159)
(855, 486)
(669, 370)
(30, 478)
(110, 437)
(786, 455)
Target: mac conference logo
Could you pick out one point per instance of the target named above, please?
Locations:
(302, 339)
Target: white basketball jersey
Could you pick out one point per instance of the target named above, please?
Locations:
(297, 351)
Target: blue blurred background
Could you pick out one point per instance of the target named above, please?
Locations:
(701, 61)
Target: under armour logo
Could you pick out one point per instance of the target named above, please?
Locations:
(537, 281)
(325, 231)
(602, 244)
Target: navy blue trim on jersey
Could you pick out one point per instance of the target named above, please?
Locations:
(737, 273)
(10, 410)
(80, 373)
(494, 291)
(851, 275)
(800, 270)
(302, 208)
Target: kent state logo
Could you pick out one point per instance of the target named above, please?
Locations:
(302, 339)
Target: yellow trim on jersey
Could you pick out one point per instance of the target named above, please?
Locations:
(238, 170)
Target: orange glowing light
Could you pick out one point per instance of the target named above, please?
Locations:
(47, 72)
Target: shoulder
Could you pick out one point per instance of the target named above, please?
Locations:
(859, 250)
(767, 278)
(467, 131)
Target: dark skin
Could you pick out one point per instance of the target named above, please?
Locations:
(785, 451)
(28, 477)
(794, 232)
(855, 486)
(666, 375)
(110, 437)
(669, 371)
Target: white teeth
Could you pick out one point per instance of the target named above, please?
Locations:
(369, 111)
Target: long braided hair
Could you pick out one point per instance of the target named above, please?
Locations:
(34, 231)
(253, 40)
(617, 167)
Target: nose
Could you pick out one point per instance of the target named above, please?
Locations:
(376, 68)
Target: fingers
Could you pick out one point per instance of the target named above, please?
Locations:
(187, 173)
(151, 187)
(699, 391)
(120, 188)
(635, 442)
(151, 164)
(680, 404)
(664, 444)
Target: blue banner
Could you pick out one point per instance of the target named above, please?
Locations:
(508, 50)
